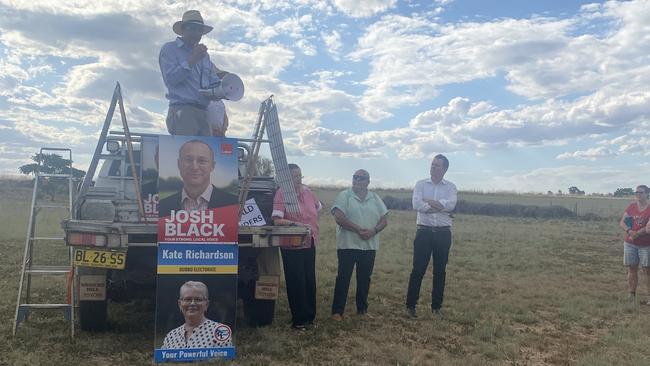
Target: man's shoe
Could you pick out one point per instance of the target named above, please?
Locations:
(364, 314)
(631, 297)
(410, 313)
(438, 313)
(337, 317)
(299, 327)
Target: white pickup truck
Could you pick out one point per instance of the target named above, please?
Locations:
(115, 248)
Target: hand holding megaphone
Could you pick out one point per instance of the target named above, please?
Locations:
(231, 87)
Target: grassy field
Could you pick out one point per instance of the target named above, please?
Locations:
(519, 292)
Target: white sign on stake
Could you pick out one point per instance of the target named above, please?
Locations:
(251, 214)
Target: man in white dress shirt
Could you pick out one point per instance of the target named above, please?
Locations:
(434, 199)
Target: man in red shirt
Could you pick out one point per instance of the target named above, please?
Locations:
(636, 223)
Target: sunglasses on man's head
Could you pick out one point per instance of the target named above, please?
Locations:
(359, 177)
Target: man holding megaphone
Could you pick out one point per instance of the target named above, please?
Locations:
(193, 82)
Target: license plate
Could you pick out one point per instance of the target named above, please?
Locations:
(99, 258)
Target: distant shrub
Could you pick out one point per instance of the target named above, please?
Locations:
(498, 209)
(590, 217)
(513, 210)
(395, 203)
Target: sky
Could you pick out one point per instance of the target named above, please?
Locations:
(525, 96)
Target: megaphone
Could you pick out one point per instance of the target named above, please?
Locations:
(231, 87)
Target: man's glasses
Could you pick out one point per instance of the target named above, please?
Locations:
(196, 300)
(640, 192)
(359, 177)
(188, 161)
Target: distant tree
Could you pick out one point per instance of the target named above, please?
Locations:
(550, 193)
(576, 191)
(51, 164)
(265, 167)
(622, 192)
(559, 192)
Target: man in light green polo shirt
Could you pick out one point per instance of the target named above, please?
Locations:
(360, 215)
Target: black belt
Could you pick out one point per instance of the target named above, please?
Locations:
(195, 105)
(434, 228)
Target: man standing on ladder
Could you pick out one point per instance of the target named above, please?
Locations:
(186, 68)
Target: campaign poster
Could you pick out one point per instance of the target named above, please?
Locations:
(149, 188)
(198, 213)
(195, 317)
(198, 189)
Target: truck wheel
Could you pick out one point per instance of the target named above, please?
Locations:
(258, 313)
(92, 315)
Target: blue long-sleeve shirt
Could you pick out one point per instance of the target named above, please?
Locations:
(182, 80)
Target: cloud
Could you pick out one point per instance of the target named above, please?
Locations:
(584, 177)
(411, 58)
(463, 125)
(334, 142)
(11, 75)
(451, 114)
(48, 134)
(293, 27)
(589, 154)
(362, 9)
(555, 121)
(333, 43)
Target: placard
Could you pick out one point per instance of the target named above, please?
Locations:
(251, 214)
(198, 212)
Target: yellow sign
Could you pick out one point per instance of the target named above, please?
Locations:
(99, 258)
(266, 288)
(184, 269)
(92, 287)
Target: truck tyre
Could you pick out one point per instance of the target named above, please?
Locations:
(258, 313)
(92, 315)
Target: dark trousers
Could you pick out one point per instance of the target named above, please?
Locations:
(365, 261)
(429, 244)
(300, 278)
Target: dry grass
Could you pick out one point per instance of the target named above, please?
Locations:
(519, 292)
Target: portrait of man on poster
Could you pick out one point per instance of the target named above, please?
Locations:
(196, 165)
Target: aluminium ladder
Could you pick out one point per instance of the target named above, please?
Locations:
(24, 303)
(267, 120)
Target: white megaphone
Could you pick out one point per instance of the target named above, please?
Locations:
(231, 87)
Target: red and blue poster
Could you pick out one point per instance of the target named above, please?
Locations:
(198, 211)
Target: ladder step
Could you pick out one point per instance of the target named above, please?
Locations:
(53, 175)
(56, 149)
(45, 306)
(45, 238)
(48, 270)
(52, 206)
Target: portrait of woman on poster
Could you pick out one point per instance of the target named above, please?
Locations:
(197, 331)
